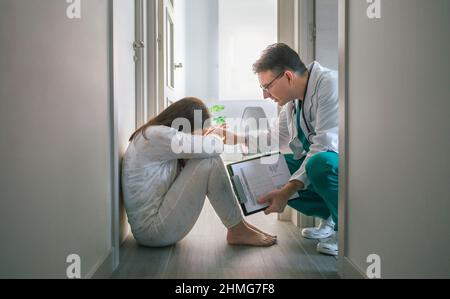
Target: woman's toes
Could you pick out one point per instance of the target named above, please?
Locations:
(250, 237)
(257, 229)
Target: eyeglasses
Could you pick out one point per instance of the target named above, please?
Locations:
(269, 85)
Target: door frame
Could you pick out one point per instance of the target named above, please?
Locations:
(346, 268)
(153, 52)
(287, 23)
(146, 105)
(296, 24)
(165, 11)
(296, 28)
(306, 35)
(141, 62)
(113, 260)
(305, 46)
(114, 145)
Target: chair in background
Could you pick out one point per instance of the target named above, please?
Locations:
(252, 116)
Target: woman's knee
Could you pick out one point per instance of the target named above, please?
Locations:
(204, 164)
(321, 167)
(197, 172)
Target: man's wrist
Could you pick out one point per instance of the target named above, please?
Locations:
(293, 186)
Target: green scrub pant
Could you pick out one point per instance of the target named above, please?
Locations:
(321, 197)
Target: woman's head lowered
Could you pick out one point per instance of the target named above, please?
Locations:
(187, 115)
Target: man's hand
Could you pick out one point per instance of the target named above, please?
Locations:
(228, 137)
(278, 199)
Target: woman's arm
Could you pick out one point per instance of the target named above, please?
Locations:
(166, 143)
(228, 137)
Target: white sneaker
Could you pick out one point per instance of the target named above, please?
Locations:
(329, 247)
(323, 231)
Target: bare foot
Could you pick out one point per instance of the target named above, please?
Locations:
(258, 230)
(241, 234)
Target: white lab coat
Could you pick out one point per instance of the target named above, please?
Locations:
(151, 166)
(322, 114)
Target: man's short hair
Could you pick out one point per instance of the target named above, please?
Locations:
(279, 58)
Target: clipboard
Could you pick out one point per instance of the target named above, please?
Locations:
(257, 176)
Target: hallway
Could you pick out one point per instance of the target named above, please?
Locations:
(78, 77)
(204, 254)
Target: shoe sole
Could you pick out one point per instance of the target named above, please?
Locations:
(328, 251)
(315, 238)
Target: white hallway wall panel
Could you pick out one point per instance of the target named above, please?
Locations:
(398, 144)
(54, 137)
(124, 85)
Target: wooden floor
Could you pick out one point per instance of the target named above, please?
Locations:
(204, 254)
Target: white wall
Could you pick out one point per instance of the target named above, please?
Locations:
(327, 33)
(55, 138)
(398, 138)
(223, 38)
(246, 28)
(201, 31)
(124, 85)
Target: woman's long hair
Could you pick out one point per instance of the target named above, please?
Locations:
(185, 108)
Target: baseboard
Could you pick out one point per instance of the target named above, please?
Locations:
(350, 271)
(304, 221)
(103, 269)
(286, 215)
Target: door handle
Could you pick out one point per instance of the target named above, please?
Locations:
(138, 45)
(178, 66)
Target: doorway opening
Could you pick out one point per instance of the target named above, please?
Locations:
(206, 48)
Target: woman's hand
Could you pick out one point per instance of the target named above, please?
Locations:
(214, 130)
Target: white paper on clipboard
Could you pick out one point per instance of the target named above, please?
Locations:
(258, 178)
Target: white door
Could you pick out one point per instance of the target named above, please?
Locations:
(166, 59)
(326, 33)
